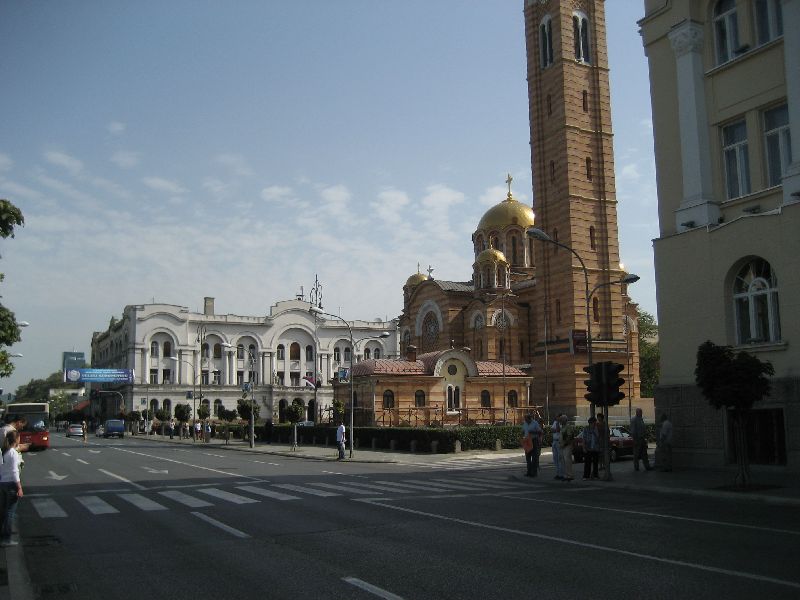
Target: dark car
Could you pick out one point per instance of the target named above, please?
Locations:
(114, 427)
(621, 445)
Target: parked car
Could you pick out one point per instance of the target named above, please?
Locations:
(76, 430)
(114, 427)
(621, 445)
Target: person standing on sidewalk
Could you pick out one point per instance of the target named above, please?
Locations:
(639, 435)
(567, 437)
(10, 485)
(591, 448)
(555, 429)
(665, 443)
(532, 443)
(340, 439)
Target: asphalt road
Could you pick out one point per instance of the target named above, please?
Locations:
(132, 519)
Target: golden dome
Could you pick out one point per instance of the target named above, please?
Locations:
(491, 255)
(506, 213)
(416, 279)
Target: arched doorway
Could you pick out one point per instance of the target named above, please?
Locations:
(312, 411)
(282, 411)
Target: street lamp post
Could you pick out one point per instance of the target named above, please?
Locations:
(502, 325)
(249, 387)
(316, 310)
(194, 383)
(202, 330)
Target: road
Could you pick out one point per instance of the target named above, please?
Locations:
(133, 518)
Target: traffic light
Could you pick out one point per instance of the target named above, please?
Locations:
(612, 382)
(594, 385)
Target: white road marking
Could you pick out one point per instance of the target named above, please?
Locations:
(223, 495)
(56, 476)
(214, 455)
(604, 549)
(185, 499)
(383, 488)
(305, 490)
(215, 523)
(66, 454)
(80, 460)
(416, 487)
(121, 478)
(266, 493)
(372, 589)
(48, 509)
(96, 505)
(345, 487)
(186, 464)
(142, 502)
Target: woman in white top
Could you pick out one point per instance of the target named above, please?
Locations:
(10, 485)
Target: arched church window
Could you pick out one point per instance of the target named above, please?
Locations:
(367, 353)
(580, 31)
(376, 354)
(430, 331)
(513, 401)
(486, 399)
(154, 349)
(546, 42)
(388, 399)
(514, 258)
(347, 354)
(755, 299)
(281, 352)
(217, 350)
(478, 322)
(167, 349)
(419, 398)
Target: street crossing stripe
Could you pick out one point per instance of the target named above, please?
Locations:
(413, 486)
(96, 505)
(266, 493)
(345, 487)
(185, 499)
(142, 502)
(372, 589)
(215, 523)
(230, 497)
(449, 486)
(383, 488)
(306, 490)
(48, 509)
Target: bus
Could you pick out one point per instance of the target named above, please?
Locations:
(36, 432)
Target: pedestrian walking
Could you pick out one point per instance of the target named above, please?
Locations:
(85, 428)
(555, 429)
(591, 449)
(665, 443)
(532, 444)
(10, 485)
(341, 438)
(639, 435)
(567, 438)
(171, 428)
(198, 431)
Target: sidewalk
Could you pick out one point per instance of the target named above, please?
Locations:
(769, 485)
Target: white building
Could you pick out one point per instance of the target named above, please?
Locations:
(180, 357)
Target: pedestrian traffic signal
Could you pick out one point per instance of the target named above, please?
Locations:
(594, 385)
(612, 382)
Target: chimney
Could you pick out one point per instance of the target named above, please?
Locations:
(208, 305)
(411, 353)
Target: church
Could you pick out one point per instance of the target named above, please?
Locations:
(547, 294)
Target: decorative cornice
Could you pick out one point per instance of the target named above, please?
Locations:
(686, 37)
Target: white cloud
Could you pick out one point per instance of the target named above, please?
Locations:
(390, 205)
(236, 163)
(160, 184)
(125, 159)
(64, 160)
(336, 199)
(116, 127)
(493, 195)
(276, 193)
(11, 189)
(629, 172)
(5, 162)
(437, 204)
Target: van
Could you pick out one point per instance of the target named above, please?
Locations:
(114, 427)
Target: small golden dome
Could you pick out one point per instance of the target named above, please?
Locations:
(415, 280)
(506, 213)
(491, 255)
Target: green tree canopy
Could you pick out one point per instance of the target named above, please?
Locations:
(183, 412)
(243, 407)
(203, 412)
(649, 354)
(10, 217)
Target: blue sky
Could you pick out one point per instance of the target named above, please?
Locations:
(173, 150)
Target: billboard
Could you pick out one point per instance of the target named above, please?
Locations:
(98, 375)
(72, 360)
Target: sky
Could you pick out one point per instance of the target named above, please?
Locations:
(168, 151)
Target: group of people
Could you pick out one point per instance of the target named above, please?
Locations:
(595, 441)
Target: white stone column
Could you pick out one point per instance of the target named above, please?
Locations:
(698, 206)
(791, 57)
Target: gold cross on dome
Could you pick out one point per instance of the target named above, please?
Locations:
(509, 179)
(430, 271)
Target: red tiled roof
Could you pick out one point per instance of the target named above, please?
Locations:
(81, 405)
(494, 369)
(382, 366)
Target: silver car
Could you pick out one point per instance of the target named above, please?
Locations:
(76, 429)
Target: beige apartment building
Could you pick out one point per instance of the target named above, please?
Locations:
(725, 88)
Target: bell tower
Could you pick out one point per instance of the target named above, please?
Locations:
(574, 197)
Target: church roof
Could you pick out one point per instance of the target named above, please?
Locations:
(425, 365)
(455, 286)
(506, 213)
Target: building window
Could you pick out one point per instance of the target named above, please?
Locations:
(167, 407)
(347, 354)
(588, 168)
(252, 349)
(580, 31)
(558, 311)
(755, 299)
(546, 42)
(376, 354)
(294, 351)
(778, 143)
(239, 378)
(167, 349)
(453, 397)
(154, 349)
(513, 400)
(217, 407)
(281, 376)
(240, 351)
(726, 30)
(514, 259)
(337, 354)
(486, 399)
(217, 380)
(592, 243)
(309, 354)
(388, 399)
(595, 310)
(549, 105)
(430, 332)
(281, 352)
(204, 351)
(737, 160)
(585, 101)
(153, 376)
(217, 350)
(419, 398)
(204, 377)
(367, 353)
(252, 377)
(769, 20)
(166, 376)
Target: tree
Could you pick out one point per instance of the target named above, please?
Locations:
(228, 416)
(203, 412)
(295, 411)
(736, 381)
(10, 217)
(649, 354)
(183, 412)
(243, 407)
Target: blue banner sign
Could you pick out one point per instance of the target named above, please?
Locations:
(98, 376)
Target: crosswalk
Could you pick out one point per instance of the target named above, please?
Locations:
(110, 503)
(470, 463)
